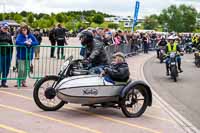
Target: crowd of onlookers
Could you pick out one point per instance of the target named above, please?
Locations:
(24, 37)
(26, 42)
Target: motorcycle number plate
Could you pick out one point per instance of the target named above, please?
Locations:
(173, 63)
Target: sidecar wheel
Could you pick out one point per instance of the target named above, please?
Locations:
(135, 102)
(45, 96)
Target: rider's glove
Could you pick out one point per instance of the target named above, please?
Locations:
(86, 61)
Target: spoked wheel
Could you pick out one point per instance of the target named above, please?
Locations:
(135, 102)
(45, 95)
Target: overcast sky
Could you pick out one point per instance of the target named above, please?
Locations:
(116, 7)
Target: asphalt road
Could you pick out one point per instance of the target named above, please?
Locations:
(184, 95)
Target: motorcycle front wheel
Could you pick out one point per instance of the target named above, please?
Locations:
(45, 96)
(174, 73)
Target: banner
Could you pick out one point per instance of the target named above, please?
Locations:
(137, 7)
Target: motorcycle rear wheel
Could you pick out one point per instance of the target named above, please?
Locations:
(133, 99)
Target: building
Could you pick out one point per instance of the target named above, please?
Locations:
(128, 21)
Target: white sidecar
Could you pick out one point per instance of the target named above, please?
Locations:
(88, 89)
(132, 97)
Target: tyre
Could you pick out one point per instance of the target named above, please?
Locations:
(136, 97)
(174, 73)
(45, 96)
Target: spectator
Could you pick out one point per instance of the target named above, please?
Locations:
(99, 34)
(107, 39)
(38, 36)
(25, 40)
(61, 41)
(52, 38)
(145, 44)
(117, 42)
(123, 39)
(5, 53)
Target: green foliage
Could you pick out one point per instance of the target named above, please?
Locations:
(71, 20)
(98, 19)
(151, 22)
(1, 17)
(179, 19)
(60, 18)
(80, 24)
(113, 26)
(30, 18)
(24, 14)
(18, 18)
(70, 25)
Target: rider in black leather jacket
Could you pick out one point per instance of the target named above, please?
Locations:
(95, 53)
(118, 70)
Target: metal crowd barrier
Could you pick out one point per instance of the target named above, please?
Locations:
(9, 62)
(42, 64)
(45, 65)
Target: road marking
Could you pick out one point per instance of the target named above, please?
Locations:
(156, 106)
(114, 120)
(50, 118)
(11, 129)
(97, 115)
(159, 118)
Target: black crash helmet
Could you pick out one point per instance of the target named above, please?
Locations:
(86, 36)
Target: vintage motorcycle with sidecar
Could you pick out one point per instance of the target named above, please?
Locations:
(75, 84)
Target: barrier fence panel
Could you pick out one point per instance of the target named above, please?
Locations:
(10, 64)
(36, 62)
(45, 65)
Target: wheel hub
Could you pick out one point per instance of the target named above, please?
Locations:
(50, 93)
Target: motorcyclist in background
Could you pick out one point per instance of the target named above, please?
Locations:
(94, 52)
(172, 46)
(161, 44)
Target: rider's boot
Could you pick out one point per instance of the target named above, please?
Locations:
(167, 68)
(179, 67)
(158, 54)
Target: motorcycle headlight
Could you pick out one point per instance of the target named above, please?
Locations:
(172, 55)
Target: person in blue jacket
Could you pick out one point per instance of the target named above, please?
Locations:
(24, 42)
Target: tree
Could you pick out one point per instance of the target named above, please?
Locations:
(179, 19)
(113, 26)
(1, 17)
(18, 18)
(60, 18)
(35, 24)
(98, 19)
(151, 22)
(24, 13)
(70, 25)
(79, 25)
(30, 18)
(42, 15)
